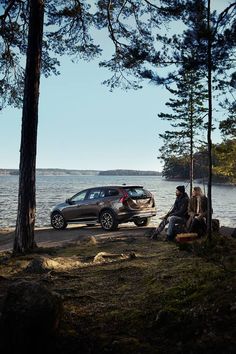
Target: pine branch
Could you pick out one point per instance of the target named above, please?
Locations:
(151, 4)
(7, 10)
(222, 15)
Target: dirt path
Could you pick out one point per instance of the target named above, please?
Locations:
(48, 237)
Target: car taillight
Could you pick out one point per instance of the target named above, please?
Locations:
(124, 198)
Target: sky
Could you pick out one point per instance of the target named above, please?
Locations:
(82, 125)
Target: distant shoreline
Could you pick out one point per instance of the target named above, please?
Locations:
(65, 172)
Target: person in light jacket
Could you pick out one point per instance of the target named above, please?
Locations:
(197, 211)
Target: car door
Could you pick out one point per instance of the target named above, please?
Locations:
(93, 200)
(74, 211)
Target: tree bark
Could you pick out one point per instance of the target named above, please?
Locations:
(24, 234)
(209, 130)
(191, 138)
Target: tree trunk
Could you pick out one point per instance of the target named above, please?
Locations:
(24, 234)
(209, 129)
(191, 139)
(191, 167)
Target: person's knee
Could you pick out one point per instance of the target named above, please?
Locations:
(172, 219)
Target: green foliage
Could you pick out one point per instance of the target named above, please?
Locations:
(67, 28)
(186, 117)
(176, 168)
(228, 126)
(132, 27)
(136, 30)
(224, 164)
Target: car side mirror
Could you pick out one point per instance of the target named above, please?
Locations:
(68, 201)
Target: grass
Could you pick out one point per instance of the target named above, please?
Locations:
(164, 300)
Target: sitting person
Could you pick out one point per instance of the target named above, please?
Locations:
(176, 216)
(197, 211)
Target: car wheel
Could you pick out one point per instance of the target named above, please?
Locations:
(58, 222)
(142, 222)
(108, 220)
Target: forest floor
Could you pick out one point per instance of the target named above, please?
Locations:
(124, 293)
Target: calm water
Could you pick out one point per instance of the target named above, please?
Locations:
(54, 189)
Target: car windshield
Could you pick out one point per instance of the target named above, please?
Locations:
(137, 192)
(79, 197)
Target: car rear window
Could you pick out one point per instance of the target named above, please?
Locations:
(137, 192)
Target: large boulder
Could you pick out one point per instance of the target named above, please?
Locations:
(31, 314)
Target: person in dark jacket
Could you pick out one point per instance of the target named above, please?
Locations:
(178, 215)
(197, 211)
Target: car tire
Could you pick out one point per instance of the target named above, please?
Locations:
(142, 222)
(108, 220)
(58, 222)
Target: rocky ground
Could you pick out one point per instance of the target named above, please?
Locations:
(123, 293)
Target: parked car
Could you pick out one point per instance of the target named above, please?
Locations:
(109, 206)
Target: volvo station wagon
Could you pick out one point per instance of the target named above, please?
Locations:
(108, 206)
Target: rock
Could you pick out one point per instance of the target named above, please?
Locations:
(216, 225)
(44, 264)
(92, 240)
(88, 240)
(4, 257)
(30, 315)
(227, 231)
(234, 233)
(110, 257)
(132, 255)
(41, 265)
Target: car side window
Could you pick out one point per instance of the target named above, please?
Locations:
(102, 193)
(79, 197)
(111, 192)
(94, 194)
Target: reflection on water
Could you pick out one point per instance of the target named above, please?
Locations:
(54, 189)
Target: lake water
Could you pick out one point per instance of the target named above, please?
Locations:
(52, 190)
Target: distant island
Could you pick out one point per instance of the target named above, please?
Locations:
(129, 173)
(65, 172)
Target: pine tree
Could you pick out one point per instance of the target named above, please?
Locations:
(228, 126)
(187, 115)
(206, 45)
(66, 30)
(23, 34)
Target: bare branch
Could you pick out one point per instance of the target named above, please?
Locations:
(122, 7)
(223, 14)
(151, 4)
(110, 27)
(7, 10)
